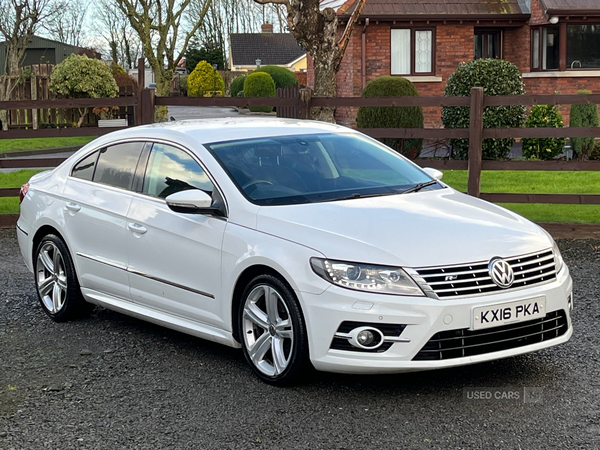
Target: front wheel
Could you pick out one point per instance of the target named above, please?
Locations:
(273, 331)
(56, 282)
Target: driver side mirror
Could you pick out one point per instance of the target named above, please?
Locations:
(193, 201)
(433, 173)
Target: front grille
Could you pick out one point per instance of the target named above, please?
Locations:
(387, 329)
(474, 279)
(465, 342)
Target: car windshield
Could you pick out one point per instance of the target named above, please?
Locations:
(316, 167)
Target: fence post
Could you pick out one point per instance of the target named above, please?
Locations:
(141, 85)
(475, 141)
(34, 112)
(305, 103)
(147, 106)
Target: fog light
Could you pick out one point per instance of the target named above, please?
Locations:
(365, 337)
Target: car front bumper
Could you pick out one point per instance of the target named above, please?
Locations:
(423, 318)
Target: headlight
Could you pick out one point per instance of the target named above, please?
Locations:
(558, 260)
(366, 277)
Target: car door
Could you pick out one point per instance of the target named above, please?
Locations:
(97, 197)
(174, 258)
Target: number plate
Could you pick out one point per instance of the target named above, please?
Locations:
(507, 313)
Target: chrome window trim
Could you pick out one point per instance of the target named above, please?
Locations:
(145, 275)
(150, 141)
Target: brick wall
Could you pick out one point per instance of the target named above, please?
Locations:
(537, 14)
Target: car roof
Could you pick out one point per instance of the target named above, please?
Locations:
(225, 129)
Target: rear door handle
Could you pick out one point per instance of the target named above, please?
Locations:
(136, 228)
(73, 206)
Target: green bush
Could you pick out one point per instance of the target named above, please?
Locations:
(259, 84)
(183, 84)
(203, 80)
(583, 116)
(497, 77)
(81, 77)
(281, 76)
(392, 116)
(595, 154)
(543, 116)
(237, 85)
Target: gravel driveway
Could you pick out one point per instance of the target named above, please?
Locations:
(113, 382)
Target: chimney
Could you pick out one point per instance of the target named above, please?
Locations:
(266, 27)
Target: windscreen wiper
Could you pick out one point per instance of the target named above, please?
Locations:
(418, 187)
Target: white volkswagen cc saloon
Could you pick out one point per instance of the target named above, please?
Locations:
(301, 242)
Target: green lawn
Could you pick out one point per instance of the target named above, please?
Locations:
(8, 145)
(10, 205)
(538, 182)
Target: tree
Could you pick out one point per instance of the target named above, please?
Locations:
(81, 77)
(19, 21)
(67, 27)
(316, 32)
(123, 44)
(212, 54)
(158, 26)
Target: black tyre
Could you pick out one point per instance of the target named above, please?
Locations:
(273, 332)
(56, 281)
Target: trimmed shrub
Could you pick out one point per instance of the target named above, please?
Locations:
(392, 116)
(583, 116)
(204, 79)
(237, 85)
(81, 77)
(543, 116)
(497, 77)
(281, 76)
(259, 84)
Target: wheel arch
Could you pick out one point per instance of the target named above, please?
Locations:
(45, 230)
(242, 281)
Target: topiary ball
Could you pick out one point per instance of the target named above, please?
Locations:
(392, 116)
(497, 77)
(203, 80)
(259, 84)
(543, 116)
(237, 85)
(281, 76)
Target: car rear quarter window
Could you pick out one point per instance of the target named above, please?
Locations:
(84, 169)
(171, 170)
(116, 164)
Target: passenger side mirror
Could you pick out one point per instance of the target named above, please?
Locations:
(192, 201)
(433, 173)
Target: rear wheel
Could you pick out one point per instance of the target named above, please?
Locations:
(273, 331)
(56, 282)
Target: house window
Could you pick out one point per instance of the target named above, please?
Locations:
(583, 46)
(488, 44)
(580, 49)
(412, 51)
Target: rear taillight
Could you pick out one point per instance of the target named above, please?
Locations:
(23, 192)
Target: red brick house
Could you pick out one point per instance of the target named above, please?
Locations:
(554, 43)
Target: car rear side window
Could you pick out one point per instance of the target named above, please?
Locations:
(171, 170)
(116, 164)
(84, 169)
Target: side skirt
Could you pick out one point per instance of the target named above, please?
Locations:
(150, 315)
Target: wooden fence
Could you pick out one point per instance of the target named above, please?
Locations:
(292, 103)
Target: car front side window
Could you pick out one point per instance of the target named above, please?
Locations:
(171, 170)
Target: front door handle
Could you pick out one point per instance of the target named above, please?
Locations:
(136, 228)
(73, 206)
